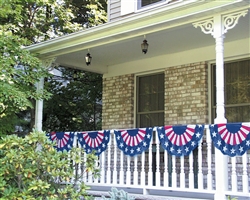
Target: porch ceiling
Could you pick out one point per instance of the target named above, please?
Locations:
(119, 42)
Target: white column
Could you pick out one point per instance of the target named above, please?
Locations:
(39, 103)
(39, 107)
(221, 171)
(217, 27)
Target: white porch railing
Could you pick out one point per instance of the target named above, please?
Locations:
(155, 169)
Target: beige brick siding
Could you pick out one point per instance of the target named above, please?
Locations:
(186, 94)
(186, 97)
(118, 102)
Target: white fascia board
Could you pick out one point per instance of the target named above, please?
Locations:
(137, 25)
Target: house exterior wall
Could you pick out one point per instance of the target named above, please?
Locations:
(186, 94)
(118, 102)
(114, 10)
(119, 9)
(186, 97)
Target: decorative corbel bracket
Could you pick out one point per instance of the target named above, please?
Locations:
(49, 63)
(231, 20)
(228, 22)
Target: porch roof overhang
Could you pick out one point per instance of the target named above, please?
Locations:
(168, 29)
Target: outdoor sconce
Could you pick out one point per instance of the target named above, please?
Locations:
(88, 59)
(144, 46)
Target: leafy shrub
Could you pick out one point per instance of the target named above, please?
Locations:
(116, 194)
(31, 168)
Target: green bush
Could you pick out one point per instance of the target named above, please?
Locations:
(116, 194)
(31, 168)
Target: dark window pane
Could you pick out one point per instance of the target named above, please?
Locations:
(238, 114)
(152, 119)
(150, 100)
(237, 82)
(237, 91)
(151, 93)
(148, 2)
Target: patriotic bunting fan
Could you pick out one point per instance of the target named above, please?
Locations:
(96, 140)
(133, 141)
(231, 139)
(180, 140)
(64, 140)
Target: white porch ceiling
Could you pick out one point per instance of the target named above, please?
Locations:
(166, 37)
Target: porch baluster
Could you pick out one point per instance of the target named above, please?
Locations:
(102, 167)
(96, 180)
(90, 177)
(157, 173)
(234, 175)
(135, 182)
(244, 174)
(182, 173)
(209, 159)
(121, 181)
(115, 161)
(73, 160)
(142, 182)
(166, 169)
(85, 173)
(79, 167)
(109, 161)
(128, 172)
(200, 174)
(150, 172)
(174, 174)
(191, 171)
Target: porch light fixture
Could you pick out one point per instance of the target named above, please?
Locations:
(88, 59)
(144, 46)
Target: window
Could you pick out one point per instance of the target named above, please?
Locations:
(143, 3)
(150, 111)
(237, 91)
(150, 100)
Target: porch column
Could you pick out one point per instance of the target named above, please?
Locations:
(217, 27)
(39, 103)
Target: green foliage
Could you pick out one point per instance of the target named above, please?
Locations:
(75, 103)
(31, 168)
(116, 194)
(19, 71)
(231, 198)
(25, 22)
(39, 20)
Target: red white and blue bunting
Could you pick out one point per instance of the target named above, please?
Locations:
(231, 139)
(95, 140)
(64, 140)
(133, 141)
(180, 140)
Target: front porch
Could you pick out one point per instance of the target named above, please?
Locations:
(156, 172)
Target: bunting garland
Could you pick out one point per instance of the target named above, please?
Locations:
(180, 140)
(133, 141)
(96, 140)
(231, 139)
(64, 140)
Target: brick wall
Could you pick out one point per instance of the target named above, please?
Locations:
(118, 102)
(186, 95)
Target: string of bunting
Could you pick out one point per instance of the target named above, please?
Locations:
(134, 141)
(95, 140)
(231, 139)
(180, 140)
(63, 140)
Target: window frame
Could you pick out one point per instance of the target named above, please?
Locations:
(137, 113)
(213, 90)
(139, 2)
